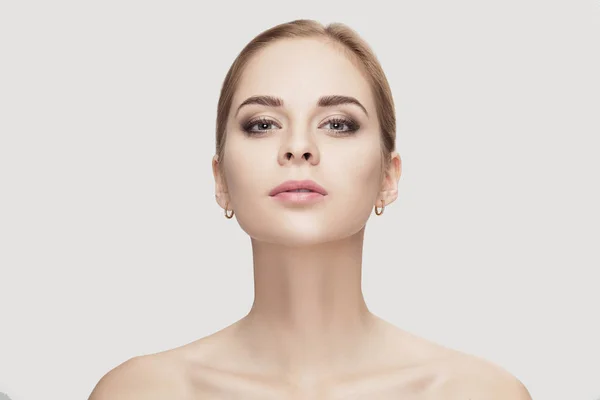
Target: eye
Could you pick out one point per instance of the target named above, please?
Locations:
(341, 126)
(263, 125)
(338, 126)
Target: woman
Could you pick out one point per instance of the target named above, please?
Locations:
(305, 152)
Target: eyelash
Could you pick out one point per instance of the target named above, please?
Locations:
(352, 126)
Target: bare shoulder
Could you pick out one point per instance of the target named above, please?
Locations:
(148, 377)
(475, 378)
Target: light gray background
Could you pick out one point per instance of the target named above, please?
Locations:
(112, 244)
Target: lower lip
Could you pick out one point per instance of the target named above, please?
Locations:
(299, 197)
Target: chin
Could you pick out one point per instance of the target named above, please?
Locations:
(300, 235)
(289, 235)
(299, 229)
(297, 241)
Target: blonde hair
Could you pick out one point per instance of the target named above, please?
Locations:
(352, 44)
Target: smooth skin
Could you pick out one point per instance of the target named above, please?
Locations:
(309, 333)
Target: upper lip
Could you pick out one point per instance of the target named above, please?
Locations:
(293, 185)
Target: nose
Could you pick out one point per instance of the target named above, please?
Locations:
(299, 148)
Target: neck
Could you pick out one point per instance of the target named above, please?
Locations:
(309, 313)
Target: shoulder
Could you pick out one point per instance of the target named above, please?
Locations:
(143, 377)
(475, 378)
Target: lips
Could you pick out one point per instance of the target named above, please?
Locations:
(289, 186)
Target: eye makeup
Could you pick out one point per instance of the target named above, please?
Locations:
(263, 123)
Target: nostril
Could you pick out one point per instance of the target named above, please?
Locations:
(305, 156)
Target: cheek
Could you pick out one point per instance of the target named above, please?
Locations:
(248, 168)
(356, 169)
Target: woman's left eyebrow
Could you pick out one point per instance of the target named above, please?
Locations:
(324, 101)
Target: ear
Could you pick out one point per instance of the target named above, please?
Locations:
(389, 184)
(221, 193)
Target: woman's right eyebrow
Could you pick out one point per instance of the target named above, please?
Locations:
(269, 101)
(325, 101)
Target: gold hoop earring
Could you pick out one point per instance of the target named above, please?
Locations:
(228, 216)
(382, 208)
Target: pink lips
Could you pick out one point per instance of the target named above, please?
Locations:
(284, 192)
(295, 185)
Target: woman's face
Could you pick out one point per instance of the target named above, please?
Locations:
(336, 146)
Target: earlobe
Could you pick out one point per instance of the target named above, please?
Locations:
(386, 197)
(221, 199)
(390, 195)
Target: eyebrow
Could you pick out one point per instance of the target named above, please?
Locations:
(325, 101)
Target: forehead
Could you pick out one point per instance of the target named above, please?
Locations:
(302, 70)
